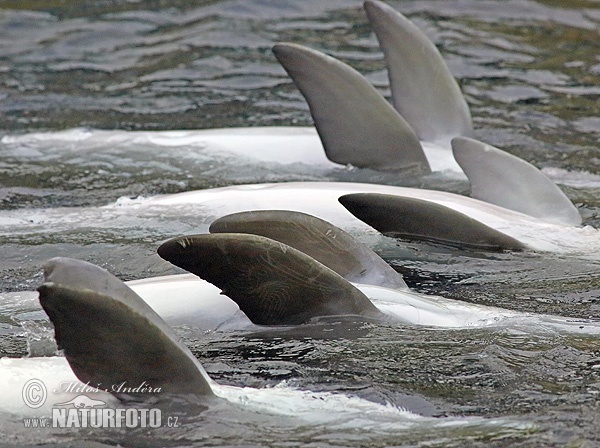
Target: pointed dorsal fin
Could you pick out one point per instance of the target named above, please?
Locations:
(273, 283)
(356, 124)
(416, 219)
(423, 89)
(502, 179)
(110, 336)
(317, 238)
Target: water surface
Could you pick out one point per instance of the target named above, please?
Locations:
(530, 72)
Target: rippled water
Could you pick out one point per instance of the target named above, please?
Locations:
(530, 72)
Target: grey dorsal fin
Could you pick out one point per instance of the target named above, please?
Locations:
(317, 238)
(423, 89)
(416, 219)
(273, 284)
(500, 178)
(110, 336)
(355, 122)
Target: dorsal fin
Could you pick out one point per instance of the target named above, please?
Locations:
(273, 283)
(423, 89)
(416, 219)
(356, 124)
(500, 178)
(110, 336)
(317, 238)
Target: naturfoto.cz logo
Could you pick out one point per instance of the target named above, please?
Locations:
(83, 411)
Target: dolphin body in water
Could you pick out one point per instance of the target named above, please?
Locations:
(337, 202)
(113, 342)
(201, 305)
(96, 316)
(356, 123)
(286, 268)
(426, 215)
(496, 177)
(305, 145)
(282, 267)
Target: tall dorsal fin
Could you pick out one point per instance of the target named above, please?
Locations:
(423, 89)
(500, 178)
(416, 219)
(355, 122)
(110, 336)
(273, 283)
(317, 238)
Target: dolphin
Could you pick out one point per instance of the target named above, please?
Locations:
(403, 217)
(503, 179)
(317, 238)
(383, 141)
(78, 297)
(398, 216)
(419, 75)
(109, 337)
(278, 254)
(201, 305)
(320, 199)
(261, 144)
(275, 284)
(356, 124)
(497, 177)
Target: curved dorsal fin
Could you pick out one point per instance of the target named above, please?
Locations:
(500, 178)
(423, 89)
(416, 219)
(317, 238)
(356, 124)
(273, 283)
(110, 336)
